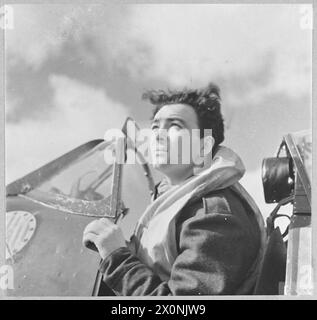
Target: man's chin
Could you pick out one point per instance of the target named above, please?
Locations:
(161, 164)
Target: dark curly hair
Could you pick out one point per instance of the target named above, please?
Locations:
(206, 103)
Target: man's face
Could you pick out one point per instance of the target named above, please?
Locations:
(173, 127)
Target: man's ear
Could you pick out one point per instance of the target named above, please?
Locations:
(206, 145)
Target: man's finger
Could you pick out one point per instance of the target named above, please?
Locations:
(106, 221)
(95, 227)
(89, 241)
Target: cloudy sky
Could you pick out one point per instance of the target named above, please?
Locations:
(74, 71)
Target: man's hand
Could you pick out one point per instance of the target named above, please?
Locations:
(106, 236)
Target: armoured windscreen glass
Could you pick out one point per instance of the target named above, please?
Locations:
(88, 178)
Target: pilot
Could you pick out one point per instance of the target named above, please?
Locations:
(202, 234)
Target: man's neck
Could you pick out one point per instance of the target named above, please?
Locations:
(177, 179)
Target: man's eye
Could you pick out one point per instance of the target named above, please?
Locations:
(154, 127)
(176, 125)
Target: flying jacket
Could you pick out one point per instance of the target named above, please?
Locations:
(208, 246)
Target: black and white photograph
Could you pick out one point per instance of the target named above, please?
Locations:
(157, 149)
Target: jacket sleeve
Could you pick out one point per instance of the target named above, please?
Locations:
(216, 249)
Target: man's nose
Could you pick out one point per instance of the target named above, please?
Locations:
(161, 135)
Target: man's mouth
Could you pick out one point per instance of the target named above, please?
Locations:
(160, 150)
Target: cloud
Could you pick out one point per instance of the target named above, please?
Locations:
(41, 31)
(31, 40)
(81, 113)
(250, 51)
(182, 44)
(192, 44)
(83, 42)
